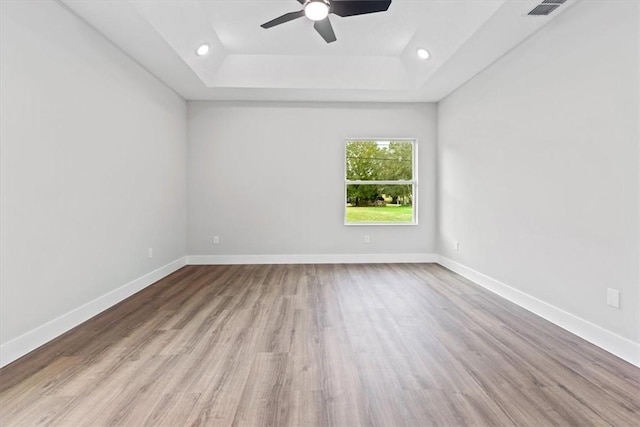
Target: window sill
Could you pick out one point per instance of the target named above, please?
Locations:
(392, 224)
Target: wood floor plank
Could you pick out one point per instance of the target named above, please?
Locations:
(266, 397)
(318, 345)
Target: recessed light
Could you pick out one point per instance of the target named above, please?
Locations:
(316, 10)
(202, 50)
(423, 53)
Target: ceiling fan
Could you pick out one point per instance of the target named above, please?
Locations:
(318, 11)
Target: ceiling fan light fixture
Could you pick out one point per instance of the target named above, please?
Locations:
(202, 50)
(423, 53)
(316, 10)
(319, 10)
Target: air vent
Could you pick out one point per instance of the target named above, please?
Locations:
(546, 7)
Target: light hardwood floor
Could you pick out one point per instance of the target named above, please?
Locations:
(318, 345)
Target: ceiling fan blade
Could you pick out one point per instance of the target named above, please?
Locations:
(325, 29)
(302, 1)
(282, 19)
(358, 7)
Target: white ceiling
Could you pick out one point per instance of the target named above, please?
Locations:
(374, 58)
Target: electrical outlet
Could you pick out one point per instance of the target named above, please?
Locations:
(216, 240)
(456, 245)
(367, 239)
(150, 253)
(613, 297)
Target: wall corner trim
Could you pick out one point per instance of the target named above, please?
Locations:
(603, 338)
(35, 338)
(311, 259)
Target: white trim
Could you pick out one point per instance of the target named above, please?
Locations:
(603, 338)
(378, 224)
(607, 340)
(374, 182)
(413, 182)
(35, 338)
(311, 259)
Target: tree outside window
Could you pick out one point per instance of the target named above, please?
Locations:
(380, 182)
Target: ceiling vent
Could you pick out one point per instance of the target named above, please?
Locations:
(546, 7)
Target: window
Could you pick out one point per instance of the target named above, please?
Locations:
(380, 182)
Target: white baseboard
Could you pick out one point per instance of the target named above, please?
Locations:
(607, 340)
(311, 259)
(33, 339)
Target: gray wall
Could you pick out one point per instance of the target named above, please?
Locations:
(538, 166)
(269, 178)
(93, 167)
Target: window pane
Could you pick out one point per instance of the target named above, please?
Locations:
(379, 203)
(379, 160)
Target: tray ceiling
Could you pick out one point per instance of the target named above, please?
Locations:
(374, 58)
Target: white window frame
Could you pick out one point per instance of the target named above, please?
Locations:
(413, 183)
